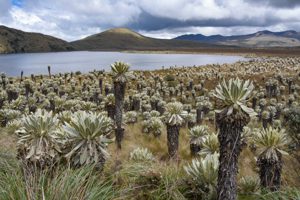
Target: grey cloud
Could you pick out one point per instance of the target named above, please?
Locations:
(148, 22)
(4, 7)
(76, 19)
(277, 3)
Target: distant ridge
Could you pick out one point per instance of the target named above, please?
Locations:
(16, 41)
(123, 39)
(264, 39)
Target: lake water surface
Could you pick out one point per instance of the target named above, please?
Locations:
(85, 61)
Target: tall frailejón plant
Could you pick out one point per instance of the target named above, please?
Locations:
(233, 116)
(49, 71)
(271, 144)
(120, 72)
(174, 117)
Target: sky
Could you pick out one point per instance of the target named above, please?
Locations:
(76, 19)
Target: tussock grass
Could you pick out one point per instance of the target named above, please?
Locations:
(134, 138)
(60, 184)
(121, 178)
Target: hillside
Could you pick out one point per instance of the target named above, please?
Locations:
(17, 41)
(126, 39)
(122, 39)
(261, 39)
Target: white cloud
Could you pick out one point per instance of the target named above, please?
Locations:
(76, 19)
(24, 18)
(91, 12)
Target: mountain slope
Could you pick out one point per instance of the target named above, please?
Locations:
(120, 39)
(264, 39)
(126, 39)
(16, 41)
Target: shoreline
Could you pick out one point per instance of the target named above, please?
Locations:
(143, 52)
(245, 52)
(188, 52)
(231, 52)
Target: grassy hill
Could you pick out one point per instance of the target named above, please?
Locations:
(16, 41)
(126, 39)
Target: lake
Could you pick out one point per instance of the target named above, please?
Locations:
(85, 61)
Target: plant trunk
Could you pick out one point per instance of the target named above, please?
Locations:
(52, 105)
(119, 89)
(254, 102)
(173, 137)
(119, 133)
(199, 116)
(126, 106)
(270, 173)
(101, 85)
(12, 95)
(110, 108)
(229, 137)
(1, 103)
(136, 105)
(49, 71)
(21, 76)
(265, 123)
(106, 90)
(160, 109)
(194, 147)
(191, 124)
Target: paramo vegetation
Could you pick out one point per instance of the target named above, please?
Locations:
(223, 132)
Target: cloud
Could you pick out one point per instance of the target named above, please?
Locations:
(226, 31)
(76, 19)
(4, 7)
(147, 21)
(277, 3)
(87, 13)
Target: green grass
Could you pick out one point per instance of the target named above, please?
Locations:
(123, 179)
(60, 184)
